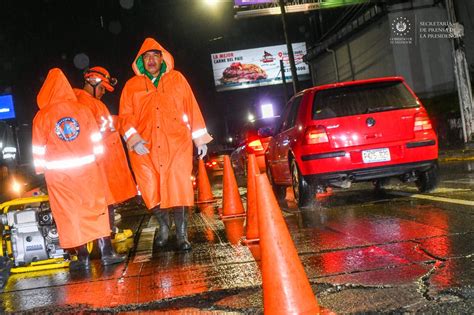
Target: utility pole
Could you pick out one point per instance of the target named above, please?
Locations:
(291, 56)
(461, 73)
(283, 80)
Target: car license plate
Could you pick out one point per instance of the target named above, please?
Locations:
(376, 155)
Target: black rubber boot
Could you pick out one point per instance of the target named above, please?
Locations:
(181, 221)
(83, 261)
(107, 252)
(165, 224)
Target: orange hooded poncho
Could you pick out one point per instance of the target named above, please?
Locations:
(169, 119)
(66, 146)
(120, 184)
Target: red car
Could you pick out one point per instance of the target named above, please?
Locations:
(252, 139)
(367, 130)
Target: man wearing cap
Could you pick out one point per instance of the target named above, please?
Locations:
(161, 120)
(120, 184)
(66, 145)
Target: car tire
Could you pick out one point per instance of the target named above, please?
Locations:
(278, 190)
(304, 192)
(427, 180)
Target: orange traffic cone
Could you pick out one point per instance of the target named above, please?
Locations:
(286, 289)
(204, 186)
(290, 198)
(231, 203)
(255, 250)
(251, 227)
(234, 230)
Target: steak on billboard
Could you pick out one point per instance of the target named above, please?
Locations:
(238, 72)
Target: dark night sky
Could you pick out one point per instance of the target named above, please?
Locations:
(38, 35)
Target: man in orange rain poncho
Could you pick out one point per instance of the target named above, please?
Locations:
(120, 184)
(66, 145)
(160, 121)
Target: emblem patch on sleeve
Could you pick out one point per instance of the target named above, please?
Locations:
(67, 129)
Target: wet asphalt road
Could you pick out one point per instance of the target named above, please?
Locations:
(395, 251)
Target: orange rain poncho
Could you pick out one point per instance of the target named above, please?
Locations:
(121, 185)
(169, 119)
(66, 144)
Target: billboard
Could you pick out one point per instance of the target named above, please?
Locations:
(290, 7)
(250, 2)
(247, 68)
(6, 107)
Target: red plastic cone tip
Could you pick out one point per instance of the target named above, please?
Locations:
(251, 228)
(231, 204)
(204, 186)
(286, 289)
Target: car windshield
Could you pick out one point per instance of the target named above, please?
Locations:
(362, 99)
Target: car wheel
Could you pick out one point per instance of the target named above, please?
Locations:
(279, 190)
(428, 180)
(304, 193)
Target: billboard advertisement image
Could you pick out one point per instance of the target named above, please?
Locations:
(247, 68)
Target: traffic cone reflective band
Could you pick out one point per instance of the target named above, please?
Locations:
(286, 289)
(204, 186)
(251, 227)
(231, 202)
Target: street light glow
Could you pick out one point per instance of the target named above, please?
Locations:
(211, 2)
(251, 117)
(267, 110)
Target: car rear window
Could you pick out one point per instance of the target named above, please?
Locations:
(362, 99)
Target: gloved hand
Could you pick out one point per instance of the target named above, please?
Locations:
(140, 148)
(202, 151)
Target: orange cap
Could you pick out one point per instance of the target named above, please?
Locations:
(100, 75)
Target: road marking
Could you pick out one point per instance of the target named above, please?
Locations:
(442, 199)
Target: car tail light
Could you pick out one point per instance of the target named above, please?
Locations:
(211, 164)
(315, 135)
(422, 122)
(255, 145)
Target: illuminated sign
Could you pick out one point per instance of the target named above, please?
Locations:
(267, 110)
(295, 7)
(251, 2)
(6, 107)
(247, 68)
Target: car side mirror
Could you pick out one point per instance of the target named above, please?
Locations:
(265, 132)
